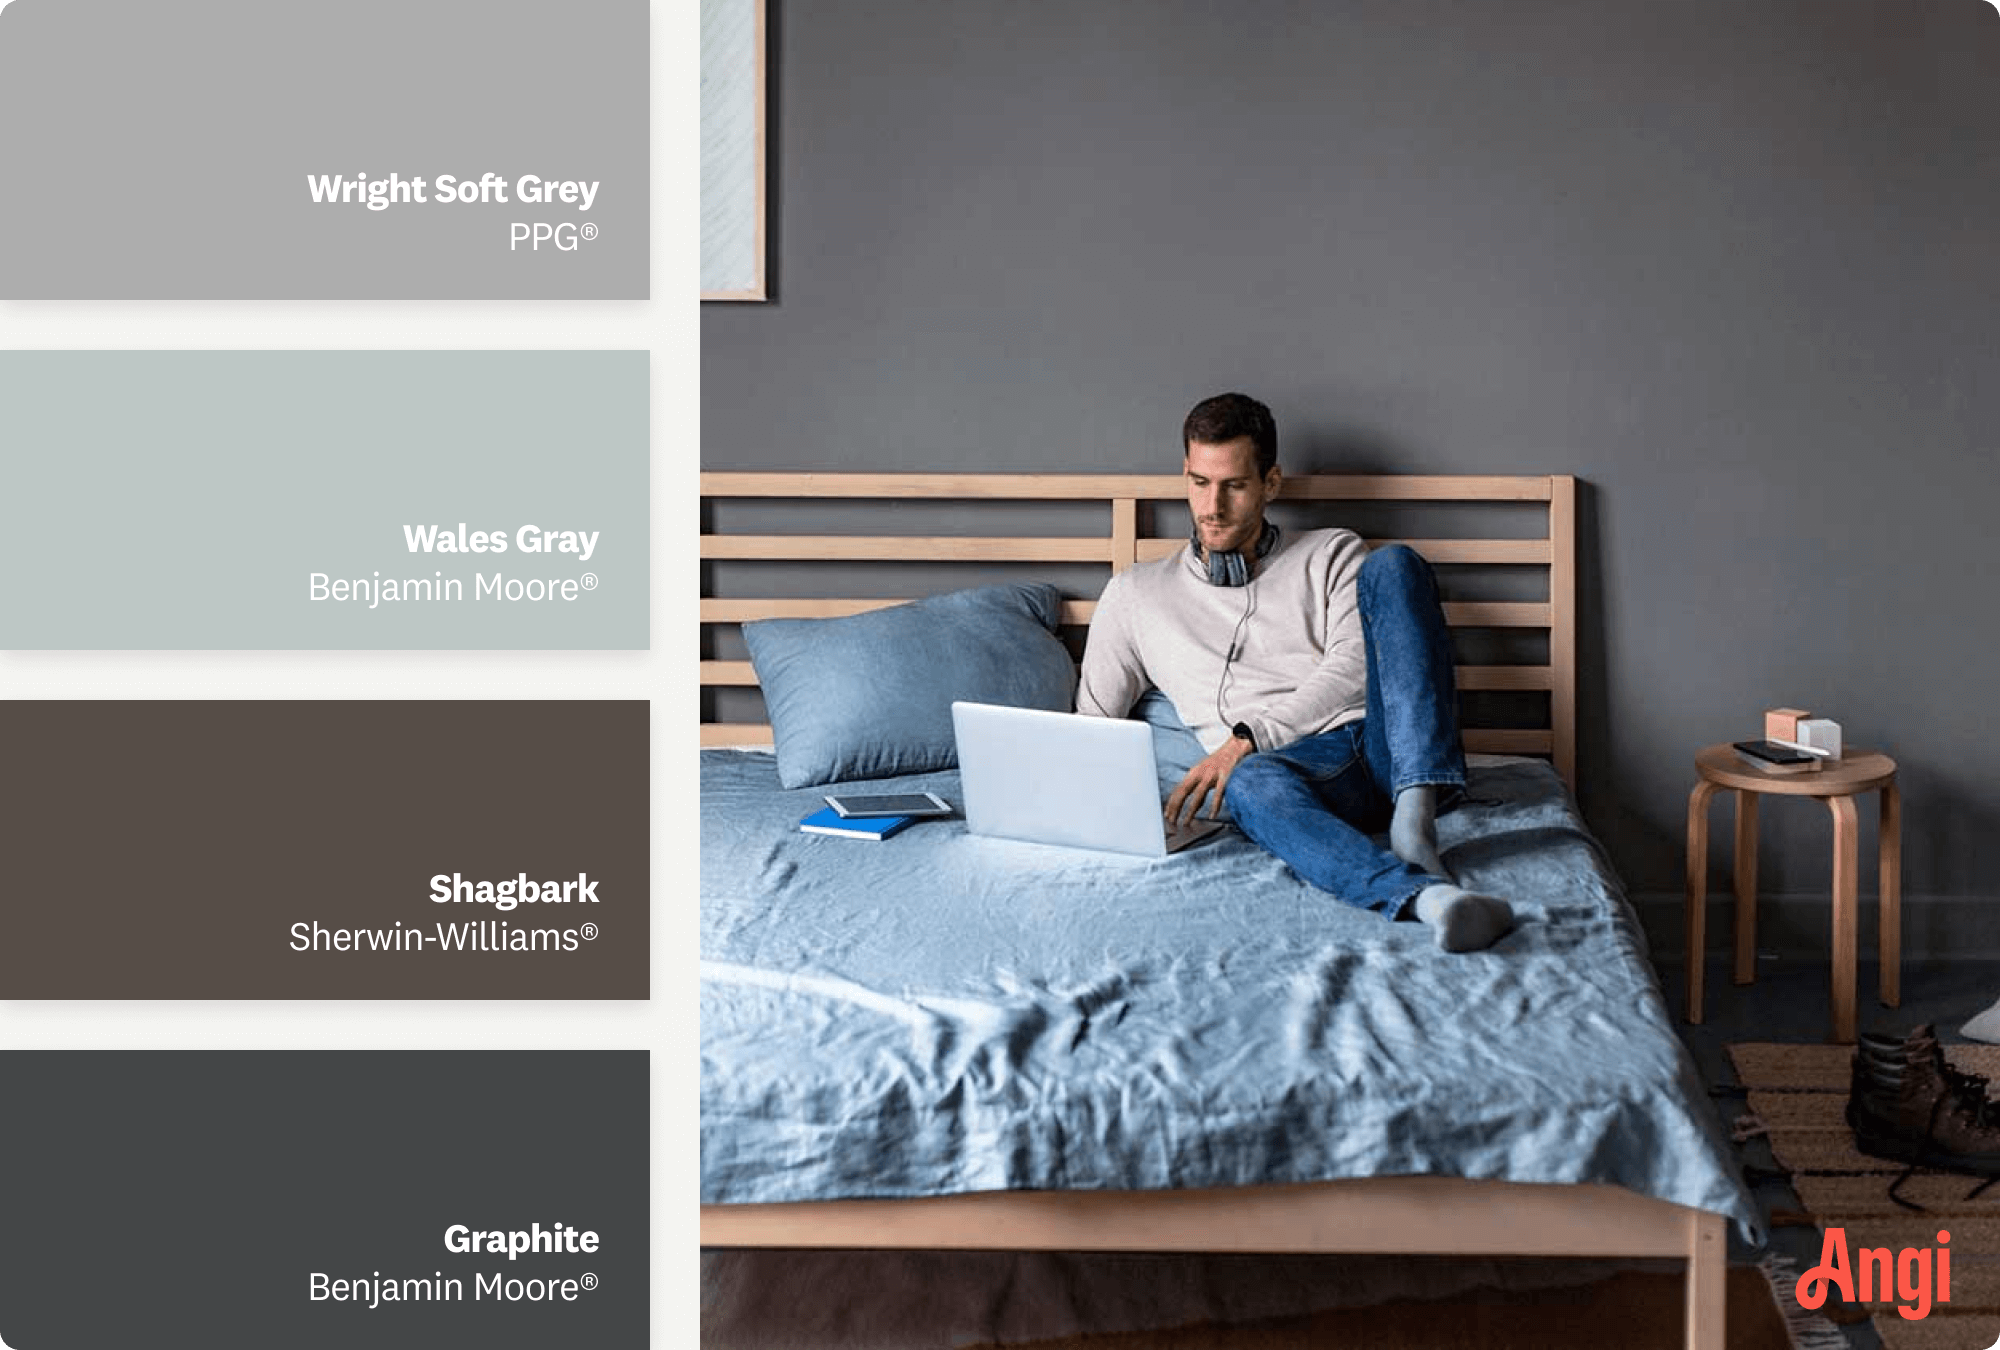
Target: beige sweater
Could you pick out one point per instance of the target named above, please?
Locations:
(1299, 667)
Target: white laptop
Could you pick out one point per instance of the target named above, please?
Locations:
(1063, 778)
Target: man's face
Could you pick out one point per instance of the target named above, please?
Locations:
(1226, 494)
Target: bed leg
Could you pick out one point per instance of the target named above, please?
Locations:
(1697, 893)
(1707, 1276)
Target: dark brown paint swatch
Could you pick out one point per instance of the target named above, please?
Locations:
(190, 849)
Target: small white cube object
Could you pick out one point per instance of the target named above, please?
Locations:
(1820, 733)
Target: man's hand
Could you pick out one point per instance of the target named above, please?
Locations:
(1209, 776)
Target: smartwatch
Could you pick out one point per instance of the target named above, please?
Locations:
(1241, 731)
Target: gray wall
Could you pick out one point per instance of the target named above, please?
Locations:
(1733, 263)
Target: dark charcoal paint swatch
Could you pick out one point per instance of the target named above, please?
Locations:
(189, 1198)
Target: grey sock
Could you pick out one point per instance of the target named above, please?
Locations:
(1413, 829)
(1463, 921)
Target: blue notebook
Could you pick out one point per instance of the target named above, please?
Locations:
(829, 821)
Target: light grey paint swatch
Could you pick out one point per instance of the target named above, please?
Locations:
(169, 150)
(284, 500)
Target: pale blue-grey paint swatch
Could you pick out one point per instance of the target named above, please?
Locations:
(205, 500)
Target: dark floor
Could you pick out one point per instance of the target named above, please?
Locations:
(1790, 1002)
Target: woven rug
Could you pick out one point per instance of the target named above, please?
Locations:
(1632, 1310)
(1797, 1099)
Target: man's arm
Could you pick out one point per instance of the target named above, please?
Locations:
(1113, 675)
(1338, 682)
(1113, 678)
(1209, 777)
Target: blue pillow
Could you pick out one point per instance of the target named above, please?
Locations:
(869, 696)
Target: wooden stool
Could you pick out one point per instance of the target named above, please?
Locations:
(1837, 784)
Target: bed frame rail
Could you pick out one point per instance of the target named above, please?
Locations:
(1414, 1214)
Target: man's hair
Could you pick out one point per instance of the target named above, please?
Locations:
(1229, 416)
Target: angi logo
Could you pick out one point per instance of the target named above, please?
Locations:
(1884, 1275)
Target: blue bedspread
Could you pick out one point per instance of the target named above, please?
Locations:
(940, 1013)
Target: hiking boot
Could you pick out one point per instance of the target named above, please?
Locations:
(1906, 1103)
(1881, 1062)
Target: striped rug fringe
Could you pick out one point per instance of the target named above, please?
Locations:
(1806, 1330)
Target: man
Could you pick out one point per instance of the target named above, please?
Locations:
(1317, 676)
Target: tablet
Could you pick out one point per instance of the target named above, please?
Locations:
(889, 804)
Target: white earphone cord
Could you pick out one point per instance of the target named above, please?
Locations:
(1249, 608)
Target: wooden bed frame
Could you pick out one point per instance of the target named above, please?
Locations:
(1411, 1214)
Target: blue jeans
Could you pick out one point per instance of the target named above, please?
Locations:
(1316, 802)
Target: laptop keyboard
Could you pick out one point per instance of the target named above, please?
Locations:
(1197, 828)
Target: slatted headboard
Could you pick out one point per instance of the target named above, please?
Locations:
(1124, 540)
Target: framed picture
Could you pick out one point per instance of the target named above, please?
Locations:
(732, 150)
